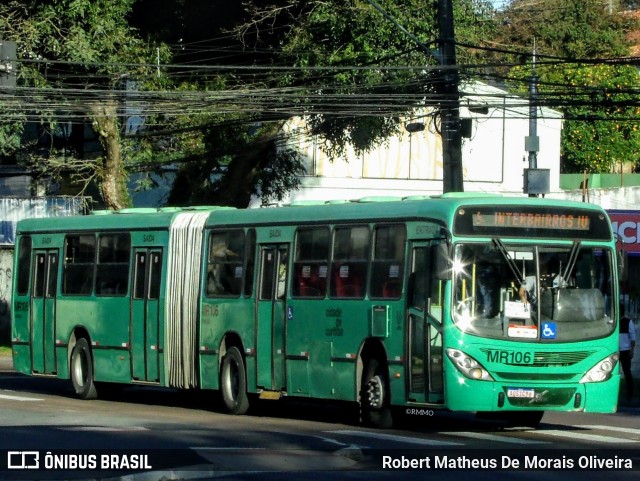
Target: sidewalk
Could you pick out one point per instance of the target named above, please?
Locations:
(622, 397)
(6, 363)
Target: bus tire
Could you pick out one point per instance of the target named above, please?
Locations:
(233, 382)
(81, 369)
(374, 398)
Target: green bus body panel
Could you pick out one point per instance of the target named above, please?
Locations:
(106, 319)
(217, 317)
(304, 347)
(555, 393)
(112, 365)
(22, 358)
(42, 336)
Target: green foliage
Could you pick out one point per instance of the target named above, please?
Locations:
(78, 44)
(93, 35)
(280, 176)
(573, 41)
(363, 54)
(570, 29)
(10, 137)
(601, 130)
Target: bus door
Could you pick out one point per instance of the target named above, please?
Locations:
(271, 316)
(43, 311)
(424, 328)
(145, 315)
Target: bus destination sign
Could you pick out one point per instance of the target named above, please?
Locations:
(535, 220)
(532, 221)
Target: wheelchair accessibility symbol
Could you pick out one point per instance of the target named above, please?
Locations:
(548, 330)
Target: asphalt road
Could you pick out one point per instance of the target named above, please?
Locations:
(149, 434)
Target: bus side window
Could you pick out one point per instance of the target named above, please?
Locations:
(349, 265)
(225, 264)
(79, 264)
(112, 273)
(250, 262)
(388, 262)
(310, 263)
(24, 265)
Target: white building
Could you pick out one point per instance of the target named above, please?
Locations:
(493, 153)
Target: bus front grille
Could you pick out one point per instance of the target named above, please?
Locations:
(566, 358)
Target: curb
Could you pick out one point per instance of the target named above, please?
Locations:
(6, 363)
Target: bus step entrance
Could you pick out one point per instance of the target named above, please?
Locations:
(271, 395)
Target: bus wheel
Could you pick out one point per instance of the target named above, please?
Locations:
(82, 370)
(233, 382)
(374, 398)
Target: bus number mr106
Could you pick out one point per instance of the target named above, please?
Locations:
(509, 357)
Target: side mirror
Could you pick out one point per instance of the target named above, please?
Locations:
(442, 261)
(623, 262)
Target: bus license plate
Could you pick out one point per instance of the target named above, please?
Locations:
(521, 393)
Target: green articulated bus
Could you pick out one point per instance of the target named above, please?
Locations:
(501, 306)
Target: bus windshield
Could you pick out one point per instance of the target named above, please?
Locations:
(544, 293)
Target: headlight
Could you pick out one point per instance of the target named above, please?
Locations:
(468, 365)
(601, 371)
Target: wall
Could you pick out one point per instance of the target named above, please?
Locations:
(493, 155)
(13, 209)
(6, 276)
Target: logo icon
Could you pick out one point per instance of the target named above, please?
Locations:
(548, 330)
(23, 460)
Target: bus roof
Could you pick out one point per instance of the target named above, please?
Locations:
(437, 208)
(126, 219)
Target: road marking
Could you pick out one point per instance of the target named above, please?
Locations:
(611, 428)
(227, 448)
(104, 428)
(582, 436)
(394, 438)
(495, 437)
(12, 397)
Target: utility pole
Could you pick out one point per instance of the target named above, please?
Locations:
(532, 142)
(450, 101)
(536, 181)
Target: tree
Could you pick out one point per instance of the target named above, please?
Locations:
(582, 70)
(344, 66)
(88, 46)
(358, 54)
(600, 131)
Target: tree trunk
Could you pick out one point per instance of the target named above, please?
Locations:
(111, 175)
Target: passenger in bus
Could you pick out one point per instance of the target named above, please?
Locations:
(282, 275)
(219, 253)
(548, 272)
(488, 290)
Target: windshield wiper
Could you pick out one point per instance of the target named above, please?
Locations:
(571, 263)
(510, 261)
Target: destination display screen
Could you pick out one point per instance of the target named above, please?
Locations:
(533, 221)
(508, 218)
